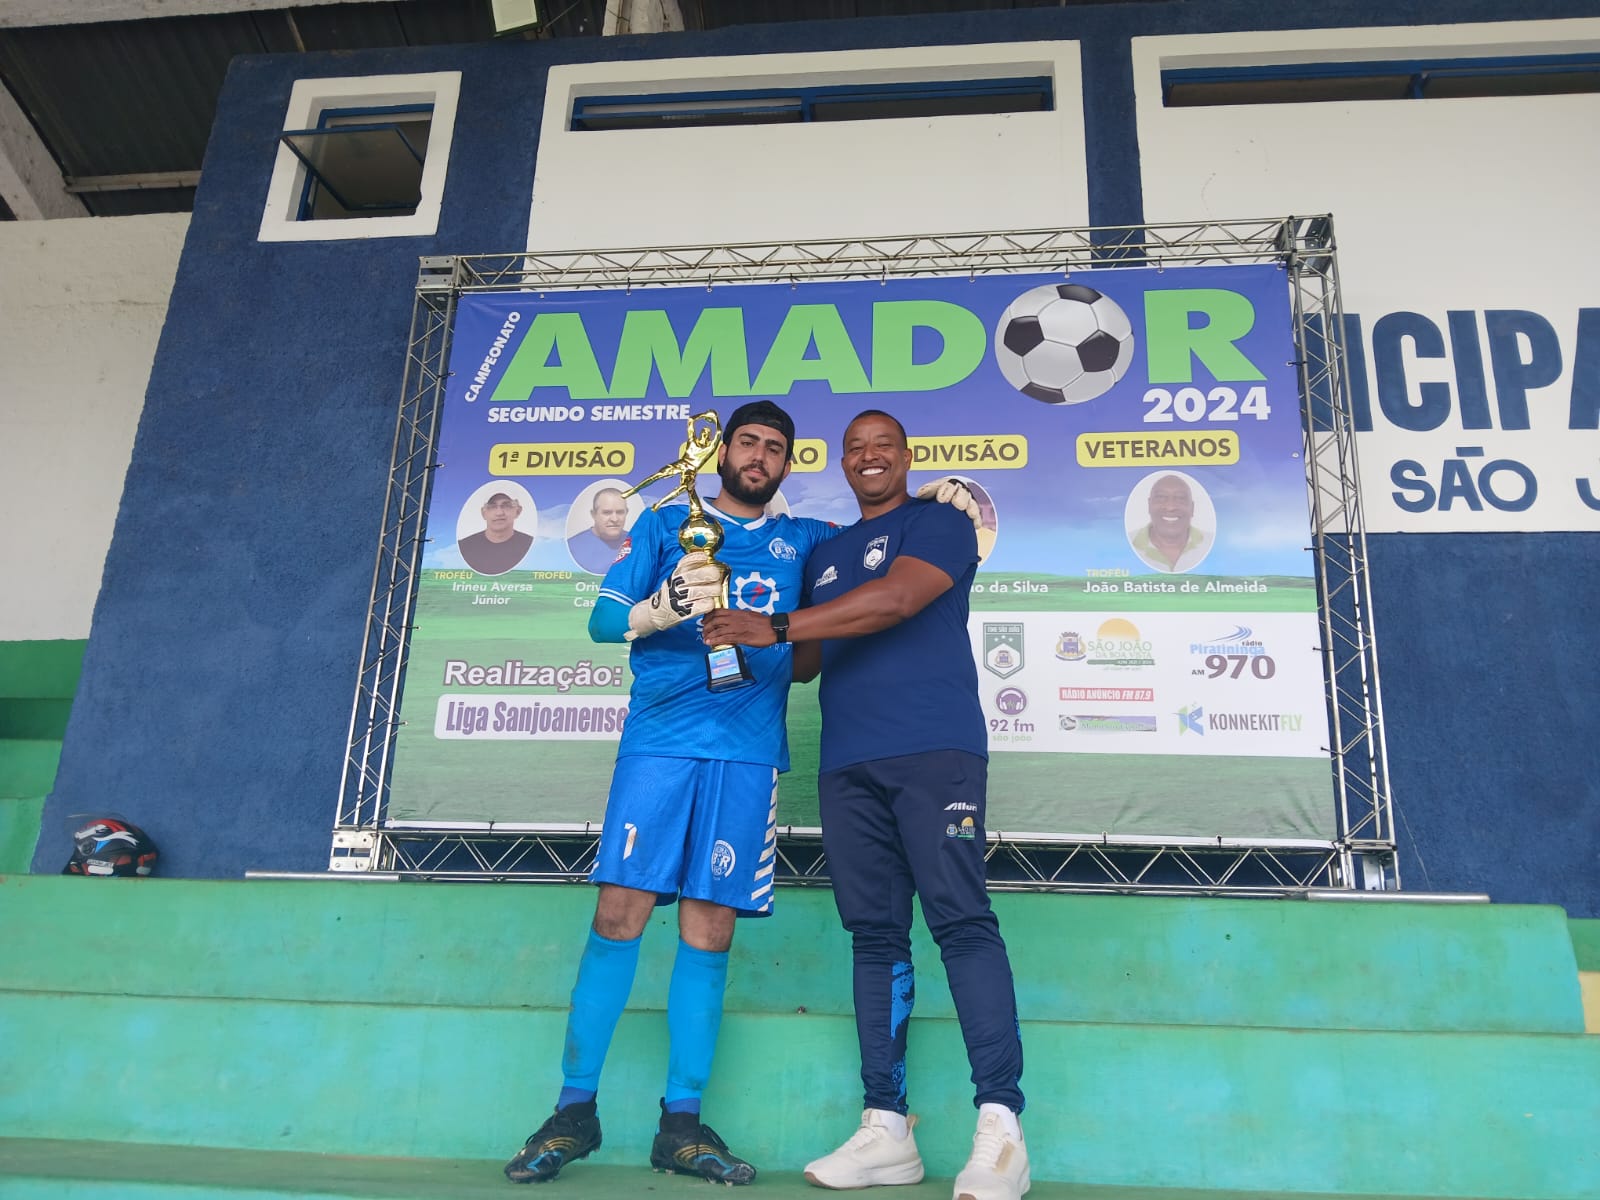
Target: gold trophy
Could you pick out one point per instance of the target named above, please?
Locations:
(726, 667)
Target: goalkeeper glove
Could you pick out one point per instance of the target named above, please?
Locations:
(690, 591)
(951, 490)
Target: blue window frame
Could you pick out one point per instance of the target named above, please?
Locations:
(362, 161)
(779, 106)
(1385, 79)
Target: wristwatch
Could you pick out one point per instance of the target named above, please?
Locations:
(780, 627)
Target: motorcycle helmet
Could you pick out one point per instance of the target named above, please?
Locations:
(109, 846)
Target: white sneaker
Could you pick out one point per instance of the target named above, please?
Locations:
(872, 1156)
(998, 1168)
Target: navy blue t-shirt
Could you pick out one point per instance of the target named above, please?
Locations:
(914, 686)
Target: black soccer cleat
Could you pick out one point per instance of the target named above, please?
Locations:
(569, 1134)
(686, 1147)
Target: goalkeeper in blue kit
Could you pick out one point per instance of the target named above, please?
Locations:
(692, 811)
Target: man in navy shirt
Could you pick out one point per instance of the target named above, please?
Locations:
(902, 792)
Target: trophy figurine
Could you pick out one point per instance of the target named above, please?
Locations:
(726, 667)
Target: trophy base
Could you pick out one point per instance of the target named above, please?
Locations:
(726, 669)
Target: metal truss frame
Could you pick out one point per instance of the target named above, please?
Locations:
(1361, 855)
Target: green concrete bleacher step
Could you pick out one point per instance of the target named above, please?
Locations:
(27, 773)
(28, 767)
(1133, 960)
(1169, 1041)
(1585, 935)
(55, 1170)
(37, 683)
(1118, 1104)
(19, 831)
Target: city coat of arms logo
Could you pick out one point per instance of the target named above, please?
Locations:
(1002, 648)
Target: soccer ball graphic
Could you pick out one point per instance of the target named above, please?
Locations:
(1063, 343)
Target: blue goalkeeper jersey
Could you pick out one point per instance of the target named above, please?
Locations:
(670, 712)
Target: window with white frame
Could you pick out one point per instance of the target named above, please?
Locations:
(362, 157)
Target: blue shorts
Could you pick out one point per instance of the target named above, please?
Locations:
(693, 827)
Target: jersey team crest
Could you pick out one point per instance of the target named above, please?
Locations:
(877, 550)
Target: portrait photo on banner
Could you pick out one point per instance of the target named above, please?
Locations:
(496, 527)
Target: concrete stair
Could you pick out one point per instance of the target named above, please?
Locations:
(53, 1170)
(37, 682)
(325, 1037)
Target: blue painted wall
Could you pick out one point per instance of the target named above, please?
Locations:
(217, 684)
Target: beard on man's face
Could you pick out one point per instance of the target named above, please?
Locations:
(735, 485)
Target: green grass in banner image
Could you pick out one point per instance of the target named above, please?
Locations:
(493, 780)
(797, 791)
(1156, 794)
(1069, 593)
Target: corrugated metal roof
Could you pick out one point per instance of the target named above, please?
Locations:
(135, 97)
(131, 98)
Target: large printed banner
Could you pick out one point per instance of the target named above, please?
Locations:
(1144, 615)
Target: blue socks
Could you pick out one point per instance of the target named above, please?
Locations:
(605, 977)
(694, 1016)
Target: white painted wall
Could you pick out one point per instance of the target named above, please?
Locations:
(81, 308)
(1466, 204)
(757, 183)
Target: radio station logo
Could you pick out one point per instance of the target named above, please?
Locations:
(1002, 648)
(1236, 655)
(1118, 644)
(1120, 695)
(1241, 641)
(1011, 700)
(1069, 646)
(1103, 723)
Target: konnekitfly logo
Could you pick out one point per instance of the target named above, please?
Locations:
(1002, 648)
(1192, 719)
